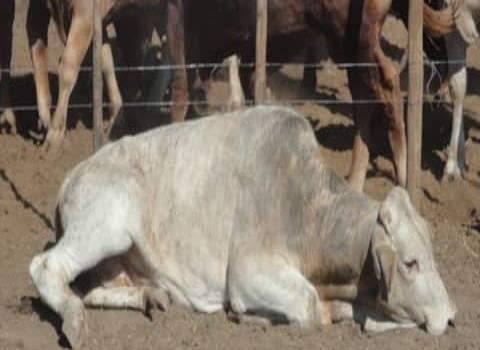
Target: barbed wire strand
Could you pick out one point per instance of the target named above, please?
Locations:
(328, 66)
(17, 71)
(32, 108)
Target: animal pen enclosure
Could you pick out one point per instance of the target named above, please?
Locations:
(415, 90)
(29, 182)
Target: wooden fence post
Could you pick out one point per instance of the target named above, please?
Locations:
(261, 52)
(97, 77)
(415, 99)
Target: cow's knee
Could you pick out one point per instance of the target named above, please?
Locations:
(50, 279)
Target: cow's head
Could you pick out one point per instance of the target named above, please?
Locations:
(411, 290)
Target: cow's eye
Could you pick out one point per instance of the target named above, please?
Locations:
(412, 265)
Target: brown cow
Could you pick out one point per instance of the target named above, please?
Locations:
(353, 30)
(7, 12)
(76, 44)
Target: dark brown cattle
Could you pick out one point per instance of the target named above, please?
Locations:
(214, 29)
(73, 19)
(7, 12)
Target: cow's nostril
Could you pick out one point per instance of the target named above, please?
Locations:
(451, 323)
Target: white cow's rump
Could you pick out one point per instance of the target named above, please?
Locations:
(237, 212)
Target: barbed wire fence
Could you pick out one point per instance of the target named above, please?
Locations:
(428, 98)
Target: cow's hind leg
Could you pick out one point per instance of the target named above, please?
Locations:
(127, 297)
(458, 84)
(363, 119)
(78, 41)
(458, 87)
(53, 270)
(113, 90)
(38, 18)
(390, 93)
(269, 288)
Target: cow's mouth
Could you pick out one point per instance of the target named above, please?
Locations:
(438, 327)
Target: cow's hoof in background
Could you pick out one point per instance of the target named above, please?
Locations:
(43, 124)
(452, 171)
(53, 141)
(74, 325)
(7, 117)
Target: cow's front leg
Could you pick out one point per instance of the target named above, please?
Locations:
(378, 326)
(267, 286)
(38, 19)
(388, 91)
(373, 320)
(77, 44)
(340, 310)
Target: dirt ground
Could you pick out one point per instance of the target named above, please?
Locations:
(29, 181)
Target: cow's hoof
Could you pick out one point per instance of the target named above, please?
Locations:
(451, 172)
(53, 141)
(74, 326)
(43, 124)
(8, 117)
(157, 297)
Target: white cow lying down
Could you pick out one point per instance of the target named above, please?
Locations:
(238, 213)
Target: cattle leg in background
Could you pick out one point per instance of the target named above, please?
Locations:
(309, 80)
(133, 38)
(450, 46)
(390, 92)
(456, 50)
(78, 41)
(362, 114)
(236, 100)
(381, 84)
(176, 47)
(113, 90)
(38, 19)
(77, 44)
(7, 13)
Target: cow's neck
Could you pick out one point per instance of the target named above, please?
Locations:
(335, 245)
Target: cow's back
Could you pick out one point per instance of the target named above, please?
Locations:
(215, 172)
(200, 178)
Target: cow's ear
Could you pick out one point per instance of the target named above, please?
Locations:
(384, 261)
(396, 202)
(385, 217)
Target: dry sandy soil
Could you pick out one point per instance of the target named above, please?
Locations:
(29, 181)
